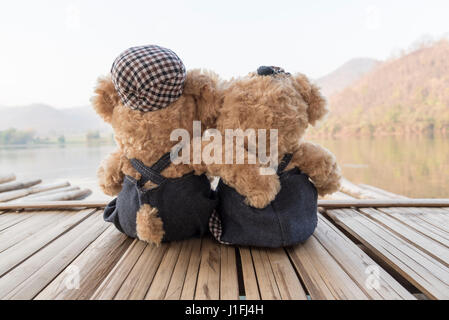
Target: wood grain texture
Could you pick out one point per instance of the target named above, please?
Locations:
(265, 276)
(93, 264)
(161, 281)
(136, 284)
(322, 275)
(31, 276)
(229, 288)
(190, 281)
(421, 269)
(288, 283)
(181, 270)
(208, 283)
(9, 219)
(249, 274)
(112, 283)
(23, 249)
(356, 263)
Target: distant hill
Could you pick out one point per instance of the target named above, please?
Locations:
(409, 94)
(346, 75)
(46, 120)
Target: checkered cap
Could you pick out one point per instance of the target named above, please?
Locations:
(148, 78)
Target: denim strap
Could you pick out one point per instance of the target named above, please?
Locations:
(284, 163)
(147, 173)
(162, 163)
(153, 173)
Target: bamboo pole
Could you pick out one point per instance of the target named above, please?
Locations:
(328, 204)
(16, 185)
(31, 197)
(62, 196)
(7, 177)
(355, 191)
(16, 194)
(53, 205)
(383, 203)
(381, 193)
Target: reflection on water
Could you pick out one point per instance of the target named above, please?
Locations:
(415, 167)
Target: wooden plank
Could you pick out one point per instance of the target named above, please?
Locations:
(348, 203)
(408, 233)
(30, 277)
(289, 285)
(265, 276)
(7, 177)
(112, 283)
(208, 285)
(430, 223)
(10, 219)
(37, 223)
(229, 284)
(438, 217)
(356, 263)
(164, 273)
(424, 272)
(382, 203)
(322, 275)
(53, 205)
(189, 288)
(249, 275)
(94, 264)
(136, 284)
(22, 250)
(174, 290)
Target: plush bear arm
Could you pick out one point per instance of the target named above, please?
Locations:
(110, 175)
(320, 165)
(258, 189)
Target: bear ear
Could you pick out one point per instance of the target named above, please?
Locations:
(311, 94)
(105, 98)
(203, 86)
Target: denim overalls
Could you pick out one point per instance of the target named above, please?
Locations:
(184, 204)
(289, 219)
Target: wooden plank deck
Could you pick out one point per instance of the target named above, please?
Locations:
(356, 253)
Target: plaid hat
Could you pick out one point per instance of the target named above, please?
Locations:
(148, 78)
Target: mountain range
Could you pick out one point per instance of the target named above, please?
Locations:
(345, 75)
(46, 120)
(409, 94)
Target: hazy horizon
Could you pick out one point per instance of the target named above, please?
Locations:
(53, 51)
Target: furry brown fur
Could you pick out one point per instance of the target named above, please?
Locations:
(145, 136)
(288, 104)
(150, 227)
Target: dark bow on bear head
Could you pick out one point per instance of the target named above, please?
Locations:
(270, 71)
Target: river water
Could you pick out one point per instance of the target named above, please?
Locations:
(415, 167)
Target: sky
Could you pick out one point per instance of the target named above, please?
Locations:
(53, 51)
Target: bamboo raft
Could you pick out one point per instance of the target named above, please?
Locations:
(32, 190)
(369, 244)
